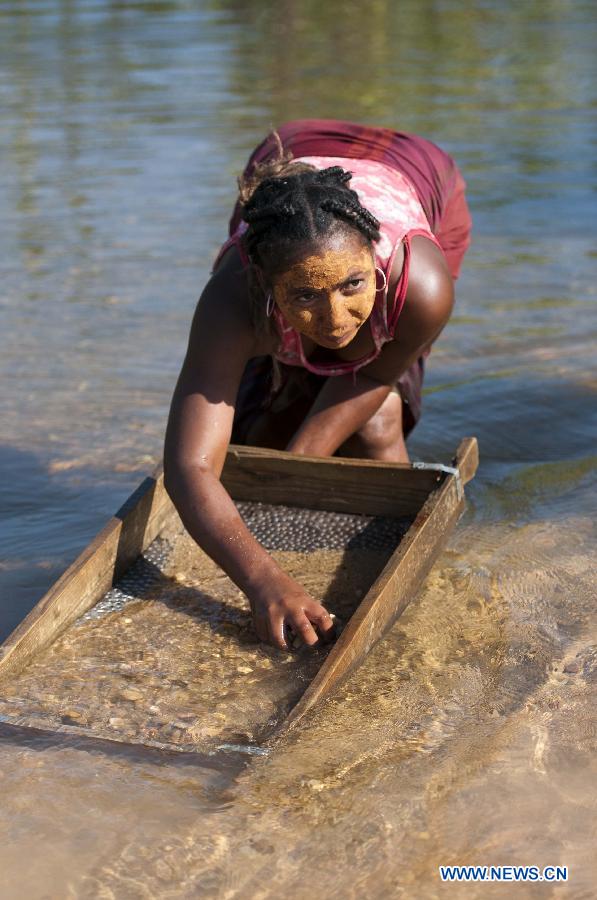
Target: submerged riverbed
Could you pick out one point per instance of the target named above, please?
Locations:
(468, 737)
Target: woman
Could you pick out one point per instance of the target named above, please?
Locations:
(312, 332)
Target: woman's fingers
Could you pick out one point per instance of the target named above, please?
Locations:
(276, 632)
(303, 616)
(323, 621)
(303, 628)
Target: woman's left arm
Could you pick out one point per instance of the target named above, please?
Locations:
(345, 404)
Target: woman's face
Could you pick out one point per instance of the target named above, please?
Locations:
(329, 291)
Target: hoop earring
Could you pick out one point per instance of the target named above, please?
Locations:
(385, 280)
(269, 304)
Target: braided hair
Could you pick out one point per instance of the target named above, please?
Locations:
(286, 203)
(302, 208)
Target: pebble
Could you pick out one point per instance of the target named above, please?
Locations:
(131, 694)
(244, 670)
(572, 668)
(73, 717)
(203, 732)
(315, 785)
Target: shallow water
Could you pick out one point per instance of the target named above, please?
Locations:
(169, 657)
(469, 735)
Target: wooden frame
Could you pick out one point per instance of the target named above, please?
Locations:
(432, 495)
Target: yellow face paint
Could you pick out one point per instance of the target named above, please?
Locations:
(328, 295)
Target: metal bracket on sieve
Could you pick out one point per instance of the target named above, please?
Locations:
(449, 470)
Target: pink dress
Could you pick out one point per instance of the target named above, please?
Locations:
(391, 198)
(412, 187)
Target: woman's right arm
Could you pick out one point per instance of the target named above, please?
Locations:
(199, 428)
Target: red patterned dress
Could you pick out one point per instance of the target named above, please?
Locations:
(413, 188)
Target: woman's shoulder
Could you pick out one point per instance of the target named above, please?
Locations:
(430, 290)
(429, 274)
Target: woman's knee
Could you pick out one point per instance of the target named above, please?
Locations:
(384, 429)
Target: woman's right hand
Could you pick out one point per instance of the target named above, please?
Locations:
(282, 603)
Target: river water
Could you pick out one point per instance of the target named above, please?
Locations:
(469, 735)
